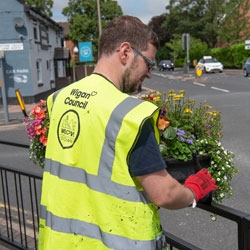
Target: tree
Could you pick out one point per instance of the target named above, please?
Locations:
(200, 18)
(83, 19)
(44, 6)
(235, 23)
(197, 49)
(163, 34)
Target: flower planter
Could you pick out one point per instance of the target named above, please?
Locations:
(180, 170)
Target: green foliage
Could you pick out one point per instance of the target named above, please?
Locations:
(44, 6)
(235, 23)
(163, 53)
(186, 128)
(200, 18)
(208, 20)
(231, 57)
(83, 19)
(197, 50)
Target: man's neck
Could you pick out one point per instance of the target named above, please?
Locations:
(110, 69)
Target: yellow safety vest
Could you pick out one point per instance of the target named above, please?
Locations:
(89, 200)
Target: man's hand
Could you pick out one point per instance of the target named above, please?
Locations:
(200, 183)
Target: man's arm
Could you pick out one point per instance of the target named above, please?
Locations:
(165, 191)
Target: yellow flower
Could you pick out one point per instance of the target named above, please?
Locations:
(188, 111)
(157, 98)
(171, 91)
(153, 91)
(165, 93)
(208, 106)
(219, 134)
(182, 91)
(212, 119)
(176, 99)
(210, 113)
(172, 95)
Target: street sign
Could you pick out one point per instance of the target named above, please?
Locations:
(186, 41)
(85, 51)
(199, 70)
(247, 44)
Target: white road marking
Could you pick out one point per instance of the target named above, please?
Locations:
(224, 90)
(200, 84)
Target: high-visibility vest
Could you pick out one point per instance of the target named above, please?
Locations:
(89, 200)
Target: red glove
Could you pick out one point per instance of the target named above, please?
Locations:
(200, 183)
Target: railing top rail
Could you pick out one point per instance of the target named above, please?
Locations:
(224, 211)
(16, 144)
(22, 172)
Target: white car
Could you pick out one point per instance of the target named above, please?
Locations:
(210, 64)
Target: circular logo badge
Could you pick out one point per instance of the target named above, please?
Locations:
(68, 129)
(85, 51)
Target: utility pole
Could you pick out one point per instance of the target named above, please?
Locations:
(99, 17)
(99, 20)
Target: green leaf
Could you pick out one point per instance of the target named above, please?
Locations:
(170, 133)
(163, 149)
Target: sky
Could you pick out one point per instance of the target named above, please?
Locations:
(143, 9)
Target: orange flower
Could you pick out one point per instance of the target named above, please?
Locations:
(162, 124)
(38, 129)
(41, 114)
(43, 140)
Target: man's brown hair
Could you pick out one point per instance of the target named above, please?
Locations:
(126, 29)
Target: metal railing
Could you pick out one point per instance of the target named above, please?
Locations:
(19, 220)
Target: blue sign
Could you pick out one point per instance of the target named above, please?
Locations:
(85, 51)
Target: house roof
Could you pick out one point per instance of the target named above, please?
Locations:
(29, 9)
(65, 26)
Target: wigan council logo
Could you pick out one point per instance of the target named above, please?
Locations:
(68, 129)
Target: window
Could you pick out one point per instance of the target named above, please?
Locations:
(35, 30)
(44, 37)
(50, 69)
(39, 70)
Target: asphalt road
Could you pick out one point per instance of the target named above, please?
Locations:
(227, 93)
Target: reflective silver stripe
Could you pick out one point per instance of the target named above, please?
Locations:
(78, 227)
(97, 183)
(111, 132)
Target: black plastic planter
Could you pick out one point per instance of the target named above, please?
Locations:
(180, 170)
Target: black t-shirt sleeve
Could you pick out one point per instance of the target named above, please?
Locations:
(146, 157)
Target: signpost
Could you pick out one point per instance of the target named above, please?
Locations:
(85, 53)
(186, 46)
(3, 90)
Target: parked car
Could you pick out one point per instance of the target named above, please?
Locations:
(166, 64)
(210, 64)
(246, 67)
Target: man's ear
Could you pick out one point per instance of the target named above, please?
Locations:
(125, 52)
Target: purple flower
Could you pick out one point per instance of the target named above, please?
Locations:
(182, 139)
(190, 141)
(180, 132)
(163, 112)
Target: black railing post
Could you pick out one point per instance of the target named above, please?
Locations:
(246, 233)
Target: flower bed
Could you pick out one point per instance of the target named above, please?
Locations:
(186, 128)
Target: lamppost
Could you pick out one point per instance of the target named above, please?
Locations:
(75, 50)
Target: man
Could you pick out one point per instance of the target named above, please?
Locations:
(104, 176)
